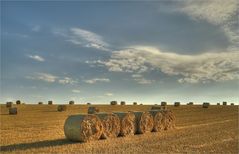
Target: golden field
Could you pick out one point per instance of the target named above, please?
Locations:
(39, 129)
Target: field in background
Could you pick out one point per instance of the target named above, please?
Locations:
(39, 128)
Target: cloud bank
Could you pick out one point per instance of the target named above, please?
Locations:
(206, 67)
(222, 13)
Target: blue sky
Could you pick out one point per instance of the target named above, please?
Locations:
(133, 51)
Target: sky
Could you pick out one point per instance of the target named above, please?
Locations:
(125, 51)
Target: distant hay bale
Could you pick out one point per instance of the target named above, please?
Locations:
(163, 103)
(40, 103)
(61, 108)
(224, 103)
(13, 110)
(232, 103)
(141, 104)
(218, 103)
(9, 104)
(18, 102)
(177, 104)
(93, 110)
(83, 128)
(113, 103)
(111, 125)
(122, 103)
(190, 103)
(134, 103)
(205, 105)
(144, 122)
(156, 108)
(88, 103)
(50, 102)
(71, 102)
(155, 104)
(158, 120)
(127, 123)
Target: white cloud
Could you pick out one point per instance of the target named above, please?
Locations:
(140, 79)
(206, 67)
(43, 76)
(67, 80)
(51, 78)
(84, 38)
(36, 28)
(223, 13)
(36, 57)
(92, 81)
(143, 81)
(109, 94)
(76, 91)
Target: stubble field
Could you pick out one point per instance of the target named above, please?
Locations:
(39, 129)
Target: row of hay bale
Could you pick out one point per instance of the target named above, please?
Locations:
(51, 103)
(10, 104)
(205, 104)
(122, 103)
(87, 127)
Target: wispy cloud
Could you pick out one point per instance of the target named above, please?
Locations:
(44, 77)
(217, 12)
(206, 67)
(92, 81)
(52, 78)
(76, 91)
(67, 80)
(83, 38)
(36, 28)
(109, 94)
(36, 57)
(141, 80)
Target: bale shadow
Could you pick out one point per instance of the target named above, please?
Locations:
(40, 144)
(4, 114)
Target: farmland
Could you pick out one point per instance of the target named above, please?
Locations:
(39, 129)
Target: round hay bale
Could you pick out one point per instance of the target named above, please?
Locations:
(224, 103)
(13, 110)
(168, 119)
(218, 103)
(93, 110)
(9, 104)
(232, 103)
(111, 125)
(83, 128)
(18, 102)
(127, 123)
(122, 103)
(50, 102)
(158, 120)
(88, 103)
(71, 102)
(205, 105)
(190, 103)
(176, 104)
(113, 103)
(134, 103)
(141, 104)
(144, 122)
(61, 108)
(163, 103)
(40, 103)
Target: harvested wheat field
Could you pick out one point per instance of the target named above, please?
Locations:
(39, 129)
